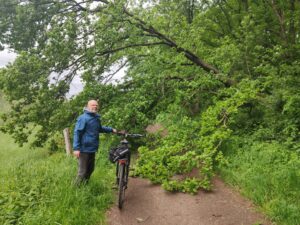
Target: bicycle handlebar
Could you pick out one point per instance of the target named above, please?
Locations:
(130, 135)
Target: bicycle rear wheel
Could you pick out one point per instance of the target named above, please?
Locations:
(121, 185)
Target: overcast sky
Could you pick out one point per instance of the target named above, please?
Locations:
(7, 56)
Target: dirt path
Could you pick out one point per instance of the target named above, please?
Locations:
(147, 204)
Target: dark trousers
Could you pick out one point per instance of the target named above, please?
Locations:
(86, 165)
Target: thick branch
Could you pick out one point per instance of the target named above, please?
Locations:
(280, 15)
(167, 41)
(188, 54)
(292, 22)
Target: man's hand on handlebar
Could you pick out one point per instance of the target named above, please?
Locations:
(126, 134)
(121, 132)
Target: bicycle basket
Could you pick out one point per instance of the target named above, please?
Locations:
(117, 153)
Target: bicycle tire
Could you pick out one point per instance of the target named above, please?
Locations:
(121, 188)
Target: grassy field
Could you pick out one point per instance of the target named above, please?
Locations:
(36, 188)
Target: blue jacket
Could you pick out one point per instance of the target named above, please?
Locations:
(86, 133)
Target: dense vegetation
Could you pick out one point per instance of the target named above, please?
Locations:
(36, 188)
(222, 76)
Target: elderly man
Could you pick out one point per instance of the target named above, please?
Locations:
(86, 140)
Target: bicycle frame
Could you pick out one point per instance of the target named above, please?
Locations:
(122, 172)
(126, 162)
(122, 169)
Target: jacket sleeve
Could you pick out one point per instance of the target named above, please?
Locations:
(78, 132)
(104, 129)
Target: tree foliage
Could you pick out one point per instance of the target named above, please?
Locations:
(207, 70)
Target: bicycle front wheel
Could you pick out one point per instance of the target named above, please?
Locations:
(121, 185)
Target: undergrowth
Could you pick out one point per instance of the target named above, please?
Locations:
(268, 174)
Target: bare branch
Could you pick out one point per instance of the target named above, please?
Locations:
(129, 46)
(78, 4)
(111, 75)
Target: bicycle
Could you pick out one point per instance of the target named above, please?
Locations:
(121, 156)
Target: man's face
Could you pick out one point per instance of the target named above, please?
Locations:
(92, 106)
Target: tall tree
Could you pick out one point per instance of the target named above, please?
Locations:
(213, 68)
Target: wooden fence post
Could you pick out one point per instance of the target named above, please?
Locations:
(67, 141)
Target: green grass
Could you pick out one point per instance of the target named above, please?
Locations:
(269, 174)
(36, 188)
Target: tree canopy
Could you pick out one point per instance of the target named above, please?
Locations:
(207, 70)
